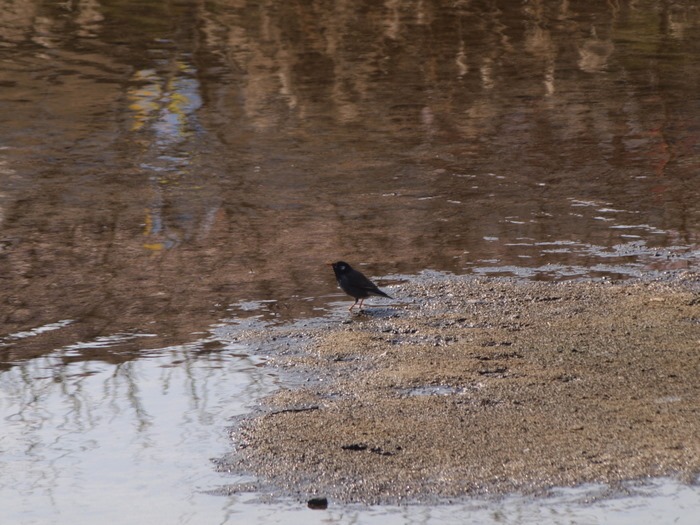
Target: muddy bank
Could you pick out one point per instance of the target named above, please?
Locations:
(478, 386)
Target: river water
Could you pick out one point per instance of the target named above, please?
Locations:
(171, 168)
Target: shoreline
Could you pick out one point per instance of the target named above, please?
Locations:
(479, 386)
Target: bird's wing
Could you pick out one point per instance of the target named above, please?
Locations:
(359, 280)
(362, 282)
(377, 291)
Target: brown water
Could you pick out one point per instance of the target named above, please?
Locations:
(167, 167)
(163, 160)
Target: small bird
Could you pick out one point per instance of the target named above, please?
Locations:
(354, 283)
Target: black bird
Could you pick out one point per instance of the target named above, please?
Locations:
(354, 283)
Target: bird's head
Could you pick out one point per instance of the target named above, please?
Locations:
(341, 267)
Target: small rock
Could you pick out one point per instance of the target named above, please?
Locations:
(318, 503)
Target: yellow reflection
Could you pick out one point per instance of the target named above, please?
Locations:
(149, 230)
(144, 99)
(164, 102)
(148, 224)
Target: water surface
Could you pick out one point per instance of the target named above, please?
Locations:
(85, 440)
(166, 167)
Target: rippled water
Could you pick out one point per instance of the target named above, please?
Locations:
(169, 167)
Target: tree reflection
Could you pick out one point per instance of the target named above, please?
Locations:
(69, 424)
(164, 160)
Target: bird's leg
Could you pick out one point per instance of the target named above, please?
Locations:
(361, 301)
(353, 305)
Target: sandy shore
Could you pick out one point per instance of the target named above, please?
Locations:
(479, 386)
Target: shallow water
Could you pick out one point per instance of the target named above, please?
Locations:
(166, 168)
(133, 442)
(85, 440)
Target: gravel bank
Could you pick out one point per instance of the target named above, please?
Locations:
(481, 386)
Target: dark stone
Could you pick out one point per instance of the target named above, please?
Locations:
(318, 503)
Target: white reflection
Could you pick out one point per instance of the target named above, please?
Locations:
(35, 331)
(89, 18)
(595, 53)
(461, 60)
(90, 438)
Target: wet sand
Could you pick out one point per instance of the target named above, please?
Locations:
(469, 386)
